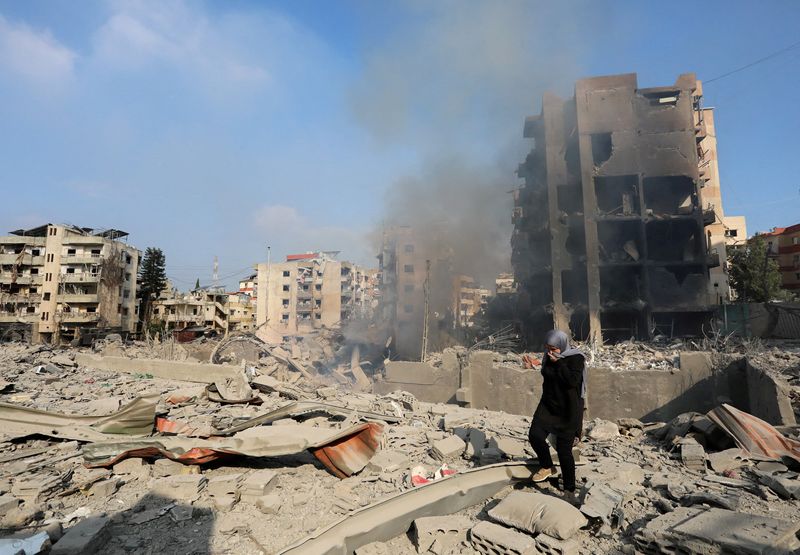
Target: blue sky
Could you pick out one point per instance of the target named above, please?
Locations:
(217, 128)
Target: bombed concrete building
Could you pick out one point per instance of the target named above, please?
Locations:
(609, 227)
(58, 281)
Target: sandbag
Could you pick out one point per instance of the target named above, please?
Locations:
(536, 513)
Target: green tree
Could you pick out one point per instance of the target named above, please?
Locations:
(753, 275)
(152, 278)
(197, 284)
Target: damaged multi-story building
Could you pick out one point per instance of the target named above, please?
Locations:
(59, 281)
(611, 229)
(202, 310)
(310, 291)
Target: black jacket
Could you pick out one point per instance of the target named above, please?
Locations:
(561, 406)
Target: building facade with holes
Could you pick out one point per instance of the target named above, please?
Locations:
(58, 281)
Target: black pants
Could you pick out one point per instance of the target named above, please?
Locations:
(538, 438)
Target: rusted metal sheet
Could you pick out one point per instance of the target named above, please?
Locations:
(135, 418)
(343, 452)
(346, 456)
(391, 517)
(754, 435)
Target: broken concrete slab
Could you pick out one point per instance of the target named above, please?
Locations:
(448, 447)
(390, 517)
(184, 487)
(199, 372)
(602, 430)
(86, 537)
(257, 484)
(492, 539)
(388, 460)
(720, 530)
(446, 531)
(786, 486)
(693, 455)
(137, 468)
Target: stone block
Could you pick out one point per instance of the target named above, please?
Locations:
(511, 448)
(86, 537)
(219, 486)
(184, 487)
(104, 488)
(167, 467)
(257, 485)
(446, 531)
(493, 539)
(553, 546)
(388, 460)
(137, 468)
(602, 430)
(7, 502)
(693, 455)
(269, 504)
(448, 447)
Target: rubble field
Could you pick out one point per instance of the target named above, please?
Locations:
(271, 455)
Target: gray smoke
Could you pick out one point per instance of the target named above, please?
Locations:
(456, 82)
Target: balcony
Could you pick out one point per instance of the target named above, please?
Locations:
(81, 258)
(20, 299)
(21, 280)
(79, 298)
(77, 317)
(82, 277)
(11, 318)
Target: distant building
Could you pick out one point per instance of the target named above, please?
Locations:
(468, 300)
(310, 291)
(58, 281)
(205, 307)
(783, 246)
(249, 285)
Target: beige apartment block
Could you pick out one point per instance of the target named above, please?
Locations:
(310, 291)
(725, 231)
(57, 281)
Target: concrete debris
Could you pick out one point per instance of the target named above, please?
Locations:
(693, 455)
(700, 531)
(438, 534)
(87, 537)
(492, 539)
(413, 469)
(448, 447)
(602, 430)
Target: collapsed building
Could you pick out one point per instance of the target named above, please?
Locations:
(58, 281)
(610, 227)
(203, 309)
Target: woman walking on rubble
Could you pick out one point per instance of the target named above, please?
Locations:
(560, 410)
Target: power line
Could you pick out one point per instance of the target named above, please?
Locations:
(751, 64)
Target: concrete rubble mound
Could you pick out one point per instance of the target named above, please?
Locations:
(244, 446)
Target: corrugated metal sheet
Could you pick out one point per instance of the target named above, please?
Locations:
(754, 435)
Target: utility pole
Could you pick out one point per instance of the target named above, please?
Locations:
(427, 290)
(266, 287)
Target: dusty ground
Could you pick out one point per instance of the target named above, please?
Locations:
(310, 496)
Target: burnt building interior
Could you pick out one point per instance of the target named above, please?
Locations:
(608, 237)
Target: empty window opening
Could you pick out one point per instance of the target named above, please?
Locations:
(574, 287)
(620, 241)
(617, 195)
(620, 286)
(570, 199)
(672, 195)
(601, 148)
(674, 241)
(408, 268)
(672, 286)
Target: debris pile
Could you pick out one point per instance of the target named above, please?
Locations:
(118, 453)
